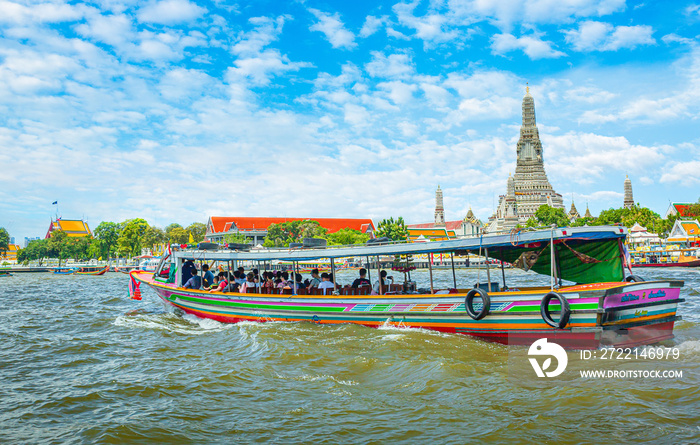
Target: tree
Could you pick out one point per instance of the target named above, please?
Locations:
(35, 250)
(106, 236)
(347, 236)
(237, 237)
(154, 236)
(293, 232)
(131, 238)
(77, 248)
(56, 246)
(636, 214)
(198, 230)
(546, 216)
(394, 230)
(170, 227)
(4, 241)
(178, 235)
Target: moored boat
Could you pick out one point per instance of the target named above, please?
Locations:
(92, 270)
(600, 307)
(665, 258)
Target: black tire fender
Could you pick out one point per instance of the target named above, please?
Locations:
(635, 278)
(564, 314)
(469, 303)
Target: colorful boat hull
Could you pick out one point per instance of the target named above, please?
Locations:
(601, 314)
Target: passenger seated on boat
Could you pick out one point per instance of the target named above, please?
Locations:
(195, 282)
(249, 284)
(283, 279)
(315, 279)
(300, 284)
(268, 280)
(207, 277)
(187, 269)
(221, 284)
(362, 281)
(326, 283)
(385, 283)
(238, 277)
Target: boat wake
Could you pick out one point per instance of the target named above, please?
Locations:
(166, 321)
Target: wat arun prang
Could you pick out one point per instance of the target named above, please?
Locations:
(529, 188)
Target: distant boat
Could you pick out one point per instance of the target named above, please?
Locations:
(665, 258)
(64, 271)
(92, 270)
(5, 274)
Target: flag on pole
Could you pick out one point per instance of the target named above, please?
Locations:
(54, 203)
(191, 239)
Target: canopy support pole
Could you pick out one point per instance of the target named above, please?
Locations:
(454, 277)
(369, 269)
(379, 274)
(488, 270)
(503, 270)
(551, 263)
(294, 277)
(333, 272)
(430, 270)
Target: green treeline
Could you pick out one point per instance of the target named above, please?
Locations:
(110, 239)
(546, 216)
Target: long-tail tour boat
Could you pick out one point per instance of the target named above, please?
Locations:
(92, 270)
(601, 306)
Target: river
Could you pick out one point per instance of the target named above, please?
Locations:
(81, 363)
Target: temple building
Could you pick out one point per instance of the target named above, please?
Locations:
(74, 228)
(573, 213)
(588, 213)
(441, 229)
(529, 188)
(439, 209)
(629, 199)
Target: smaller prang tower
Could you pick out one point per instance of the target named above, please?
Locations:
(439, 209)
(629, 199)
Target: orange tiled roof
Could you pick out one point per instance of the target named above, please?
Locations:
(72, 227)
(449, 225)
(691, 228)
(11, 253)
(431, 233)
(222, 224)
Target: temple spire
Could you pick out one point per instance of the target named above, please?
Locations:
(439, 209)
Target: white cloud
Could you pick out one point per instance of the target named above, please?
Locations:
(266, 30)
(395, 65)
(48, 12)
(591, 95)
(684, 172)
(506, 13)
(585, 158)
(432, 28)
(400, 93)
(533, 46)
(599, 36)
(334, 30)
(168, 12)
(256, 63)
(372, 24)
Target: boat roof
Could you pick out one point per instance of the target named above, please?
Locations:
(513, 240)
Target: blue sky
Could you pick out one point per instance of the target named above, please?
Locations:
(176, 110)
